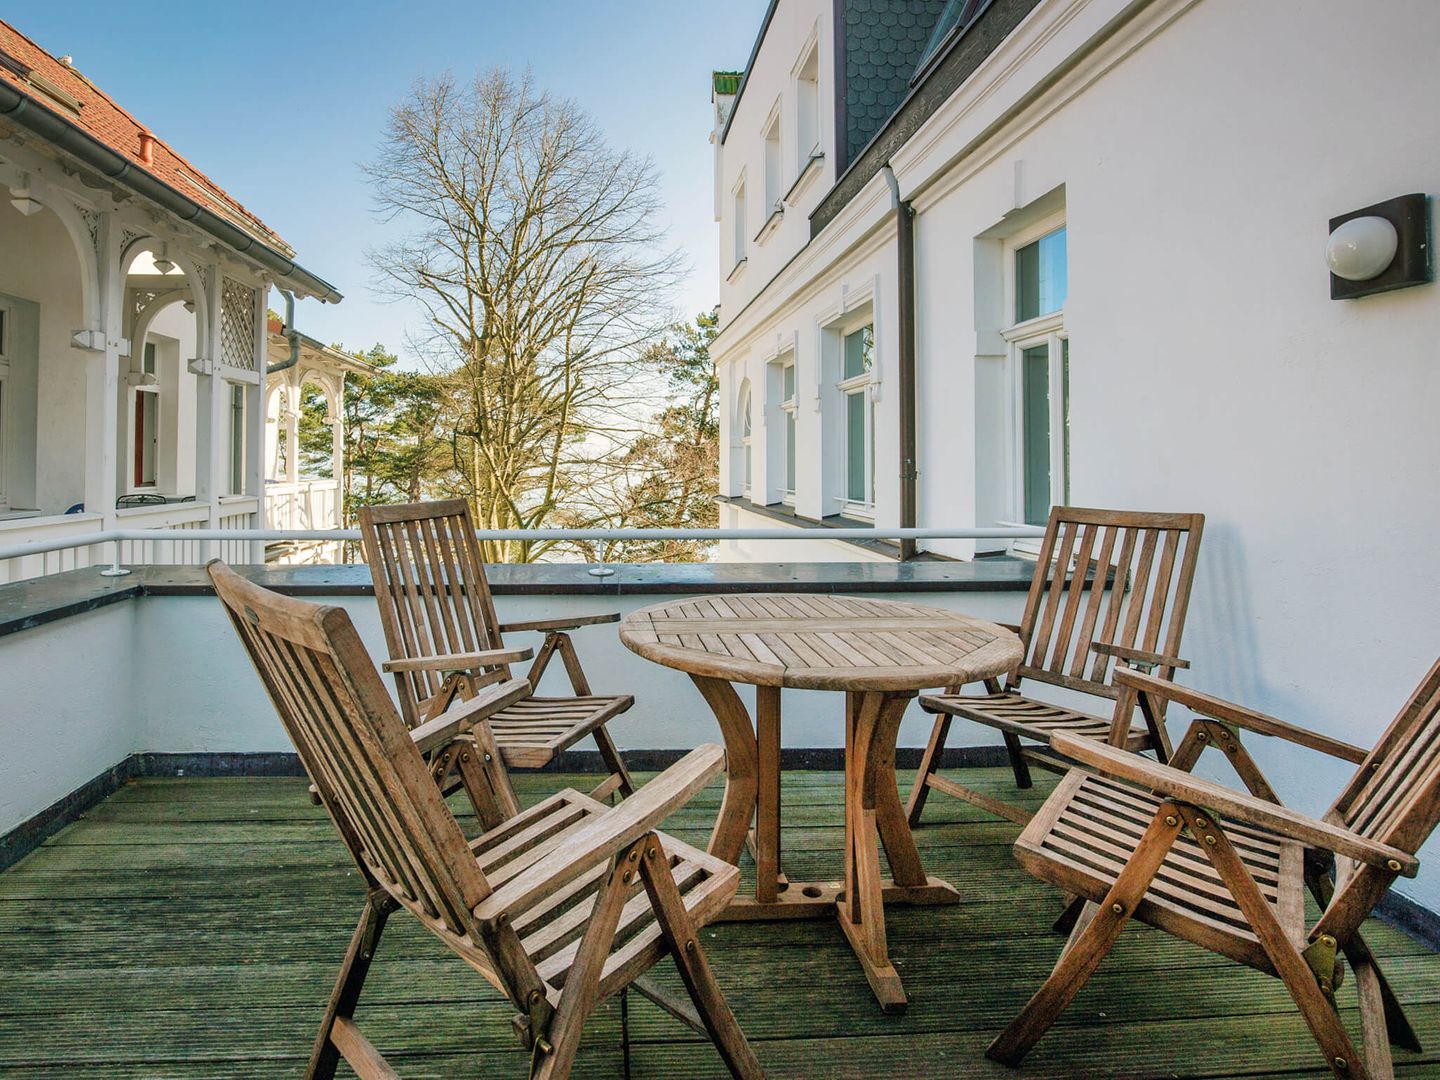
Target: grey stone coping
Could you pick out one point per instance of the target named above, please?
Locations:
(34, 602)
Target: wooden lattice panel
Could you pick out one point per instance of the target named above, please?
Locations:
(237, 325)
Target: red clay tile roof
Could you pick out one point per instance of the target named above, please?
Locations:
(107, 122)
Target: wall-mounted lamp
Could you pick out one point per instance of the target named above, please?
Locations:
(22, 200)
(1380, 248)
(162, 261)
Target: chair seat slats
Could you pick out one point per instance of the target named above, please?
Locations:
(1029, 718)
(1087, 843)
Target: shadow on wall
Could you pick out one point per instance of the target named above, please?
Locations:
(1221, 610)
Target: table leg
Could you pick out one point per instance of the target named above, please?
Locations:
(737, 807)
(874, 815)
(767, 807)
(862, 910)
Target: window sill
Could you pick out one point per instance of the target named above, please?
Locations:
(807, 174)
(735, 270)
(771, 224)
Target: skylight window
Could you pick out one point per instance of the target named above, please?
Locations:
(953, 21)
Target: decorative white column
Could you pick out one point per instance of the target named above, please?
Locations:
(102, 382)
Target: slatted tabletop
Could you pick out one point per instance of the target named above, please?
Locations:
(820, 642)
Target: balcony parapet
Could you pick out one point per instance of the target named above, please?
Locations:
(37, 601)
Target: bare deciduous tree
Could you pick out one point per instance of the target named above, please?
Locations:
(534, 249)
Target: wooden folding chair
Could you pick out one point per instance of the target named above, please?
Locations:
(1117, 836)
(559, 907)
(1111, 588)
(445, 641)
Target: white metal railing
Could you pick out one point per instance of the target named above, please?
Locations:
(234, 543)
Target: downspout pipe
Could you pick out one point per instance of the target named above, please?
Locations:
(905, 255)
(291, 334)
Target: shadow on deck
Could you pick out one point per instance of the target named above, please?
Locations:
(192, 928)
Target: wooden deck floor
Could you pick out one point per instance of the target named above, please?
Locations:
(191, 928)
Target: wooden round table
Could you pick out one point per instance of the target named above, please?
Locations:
(880, 653)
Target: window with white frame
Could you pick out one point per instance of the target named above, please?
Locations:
(774, 164)
(237, 439)
(788, 409)
(738, 210)
(746, 448)
(1039, 354)
(807, 109)
(857, 359)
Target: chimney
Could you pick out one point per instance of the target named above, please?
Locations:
(147, 148)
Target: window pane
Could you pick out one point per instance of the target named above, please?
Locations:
(1041, 277)
(855, 447)
(237, 439)
(1035, 417)
(790, 451)
(747, 468)
(148, 363)
(859, 351)
(789, 382)
(745, 419)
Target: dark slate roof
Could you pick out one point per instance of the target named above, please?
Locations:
(884, 42)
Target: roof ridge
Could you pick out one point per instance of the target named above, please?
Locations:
(191, 170)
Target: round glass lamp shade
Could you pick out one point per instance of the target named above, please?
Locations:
(1361, 248)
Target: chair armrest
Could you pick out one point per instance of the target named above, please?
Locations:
(1230, 713)
(460, 661)
(602, 836)
(571, 623)
(464, 716)
(1120, 764)
(1138, 656)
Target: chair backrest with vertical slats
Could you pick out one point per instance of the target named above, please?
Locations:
(1395, 795)
(431, 586)
(1112, 576)
(1394, 798)
(360, 757)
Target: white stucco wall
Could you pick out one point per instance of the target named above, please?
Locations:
(1200, 150)
(38, 263)
(770, 85)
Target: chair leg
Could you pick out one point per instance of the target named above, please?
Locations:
(325, 1057)
(1087, 948)
(1373, 1028)
(1399, 1031)
(929, 763)
(557, 1048)
(614, 763)
(684, 944)
(1317, 1009)
(1018, 764)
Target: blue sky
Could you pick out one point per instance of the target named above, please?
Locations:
(279, 102)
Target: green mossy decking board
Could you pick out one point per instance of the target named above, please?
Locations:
(192, 928)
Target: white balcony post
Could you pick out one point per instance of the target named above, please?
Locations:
(102, 396)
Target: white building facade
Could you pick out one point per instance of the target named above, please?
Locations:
(1120, 217)
(133, 338)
